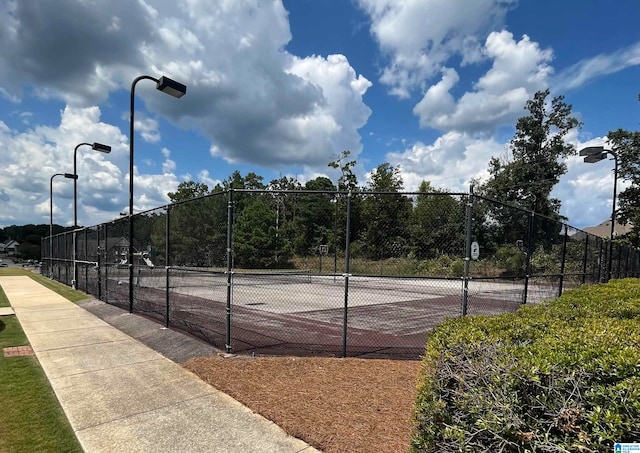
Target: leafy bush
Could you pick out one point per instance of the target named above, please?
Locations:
(441, 266)
(512, 260)
(558, 377)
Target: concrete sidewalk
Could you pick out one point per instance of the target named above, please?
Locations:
(120, 395)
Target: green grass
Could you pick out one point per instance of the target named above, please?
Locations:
(31, 418)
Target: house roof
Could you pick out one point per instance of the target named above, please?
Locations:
(9, 243)
(603, 230)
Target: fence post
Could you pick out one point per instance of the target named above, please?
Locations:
(619, 259)
(600, 261)
(562, 261)
(229, 267)
(98, 261)
(130, 259)
(167, 263)
(86, 259)
(74, 245)
(527, 265)
(106, 263)
(584, 259)
(347, 270)
(626, 262)
(467, 252)
(66, 259)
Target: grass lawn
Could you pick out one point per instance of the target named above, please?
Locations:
(31, 418)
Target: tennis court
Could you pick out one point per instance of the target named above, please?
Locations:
(304, 313)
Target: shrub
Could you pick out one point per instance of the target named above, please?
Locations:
(561, 377)
(441, 266)
(512, 260)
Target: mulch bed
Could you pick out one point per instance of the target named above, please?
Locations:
(336, 405)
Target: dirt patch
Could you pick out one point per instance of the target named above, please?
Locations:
(336, 405)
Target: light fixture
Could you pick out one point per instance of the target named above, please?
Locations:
(171, 87)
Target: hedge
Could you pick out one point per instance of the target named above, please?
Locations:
(557, 377)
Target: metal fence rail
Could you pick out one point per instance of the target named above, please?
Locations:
(329, 272)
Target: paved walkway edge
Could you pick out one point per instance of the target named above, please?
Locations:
(120, 395)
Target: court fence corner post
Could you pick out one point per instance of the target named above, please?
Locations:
(347, 270)
(530, 249)
(98, 260)
(467, 252)
(229, 268)
(584, 259)
(167, 263)
(565, 238)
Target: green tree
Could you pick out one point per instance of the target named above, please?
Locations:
(315, 218)
(626, 145)
(29, 237)
(284, 199)
(348, 182)
(386, 215)
(251, 181)
(535, 167)
(256, 244)
(197, 222)
(436, 224)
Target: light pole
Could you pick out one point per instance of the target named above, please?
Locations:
(68, 176)
(96, 147)
(595, 154)
(177, 90)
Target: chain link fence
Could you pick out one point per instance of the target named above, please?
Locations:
(329, 272)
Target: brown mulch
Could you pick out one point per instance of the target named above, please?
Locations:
(336, 405)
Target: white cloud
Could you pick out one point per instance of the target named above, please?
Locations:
(147, 128)
(419, 37)
(255, 101)
(519, 69)
(204, 178)
(30, 158)
(450, 162)
(168, 166)
(601, 65)
(151, 191)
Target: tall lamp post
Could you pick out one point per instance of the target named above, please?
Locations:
(96, 147)
(177, 90)
(68, 176)
(594, 154)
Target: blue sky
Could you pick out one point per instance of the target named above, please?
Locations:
(282, 87)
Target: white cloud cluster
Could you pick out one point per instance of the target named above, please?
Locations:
(426, 39)
(33, 156)
(252, 99)
(519, 69)
(419, 37)
(449, 163)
